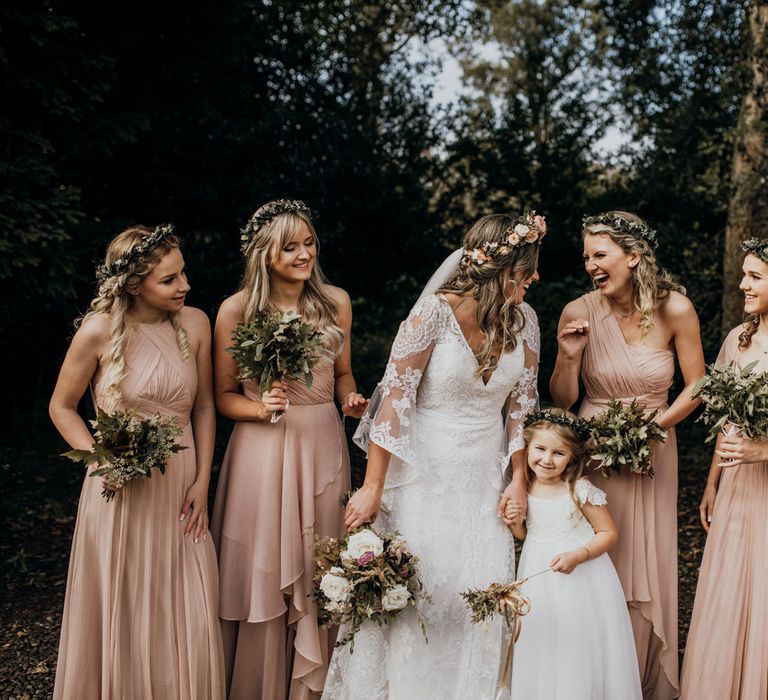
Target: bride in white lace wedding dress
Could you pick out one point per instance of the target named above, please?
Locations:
(449, 430)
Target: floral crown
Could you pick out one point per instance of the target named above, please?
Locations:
(529, 228)
(265, 213)
(121, 265)
(638, 229)
(578, 426)
(758, 247)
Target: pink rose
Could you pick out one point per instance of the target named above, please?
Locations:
(531, 236)
(541, 223)
(513, 239)
(366, 558)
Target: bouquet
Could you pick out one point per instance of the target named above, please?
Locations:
(735, 395)
(276, 346)
(623, 436)
(365, 576)
(127, 447)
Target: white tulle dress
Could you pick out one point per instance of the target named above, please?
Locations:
(451, 437)
(576, 643)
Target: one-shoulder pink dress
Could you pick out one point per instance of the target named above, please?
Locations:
(644, 508)
(726, 657)
(280, 485)
(140, 616)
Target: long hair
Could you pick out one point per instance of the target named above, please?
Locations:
(316, 305)
(576, 446)
(499, 318)
(650, 282)
(114, 300)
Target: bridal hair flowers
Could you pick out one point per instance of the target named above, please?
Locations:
(758, 247)
(578, 426)
(121, 265)
(529, 228)
(265, 213)
(638, 229)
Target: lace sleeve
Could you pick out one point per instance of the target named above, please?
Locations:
(587, 492)
(387, 419)
(524, 397)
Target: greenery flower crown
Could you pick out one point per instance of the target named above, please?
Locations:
(121, 265)
(578, 426)
(758, 247)
(265, 213)
(528, 228)
(637, 229)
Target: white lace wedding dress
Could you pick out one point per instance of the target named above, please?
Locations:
(451, 437)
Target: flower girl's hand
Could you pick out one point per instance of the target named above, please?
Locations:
(195, 511)
(354, 405)
(568, 561)
(275, 400)
(363, 507)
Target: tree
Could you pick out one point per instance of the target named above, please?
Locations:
(748, 207)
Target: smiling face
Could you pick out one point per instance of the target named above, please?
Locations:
(519, 286)
(165, 287)
(754, 284)
(295, 260)
(608, 265)
(548, 455)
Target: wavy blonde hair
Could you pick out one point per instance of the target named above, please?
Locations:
(576, 446)
(650, 282)
(114, 300)
(316, 305)
(751, 321)
(498, 317)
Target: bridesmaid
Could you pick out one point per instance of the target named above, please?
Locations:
(280, 482)
(622, 339)
(727, 652)
(140, 608)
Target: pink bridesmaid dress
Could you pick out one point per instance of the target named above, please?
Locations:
(280, 485)
(645, 509)
(726, 656)
(140, 618)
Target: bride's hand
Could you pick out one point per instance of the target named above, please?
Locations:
(572, 337)
(516, 493)
(363, 507)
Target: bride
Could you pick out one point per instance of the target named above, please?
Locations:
(442, 431)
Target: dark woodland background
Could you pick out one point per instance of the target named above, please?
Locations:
(118, 113)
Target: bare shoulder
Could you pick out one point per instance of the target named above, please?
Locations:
(574, 310)
(677, 307)
(339, 296)
(232, 307)
(195, 320)
(94, 331)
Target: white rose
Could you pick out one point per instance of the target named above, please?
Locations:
(336, 588)
(396, 598)
(361, 542)
(521, 229)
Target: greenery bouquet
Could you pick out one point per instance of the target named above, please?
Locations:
(127, 447)
(365, 576)
(276, 346)
(623, 436)
(736, 396)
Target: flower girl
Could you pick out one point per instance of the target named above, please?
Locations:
(576, 642)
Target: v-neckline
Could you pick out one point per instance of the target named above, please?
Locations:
(466, 344)
(627, 344)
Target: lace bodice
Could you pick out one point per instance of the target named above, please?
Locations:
(551, 519)
(432, 369)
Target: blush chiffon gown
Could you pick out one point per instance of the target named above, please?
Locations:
(726, 656)
(644, 509)
(140, 614)
(280, 485)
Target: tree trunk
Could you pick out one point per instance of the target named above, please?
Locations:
(748, 208)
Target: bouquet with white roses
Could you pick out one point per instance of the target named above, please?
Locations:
(365, 576)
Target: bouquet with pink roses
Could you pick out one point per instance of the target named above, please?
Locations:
(365, 576)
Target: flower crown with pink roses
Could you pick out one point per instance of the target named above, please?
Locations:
(528, 228)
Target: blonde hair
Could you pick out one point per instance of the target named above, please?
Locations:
(576, 446)
(498, 317)
(650, 282)
(751, 321)
(316, 305)
(114, 299)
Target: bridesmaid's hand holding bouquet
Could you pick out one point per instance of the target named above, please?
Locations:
(623, 436)
(736, 396)
(127, 447)
(274, 347)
